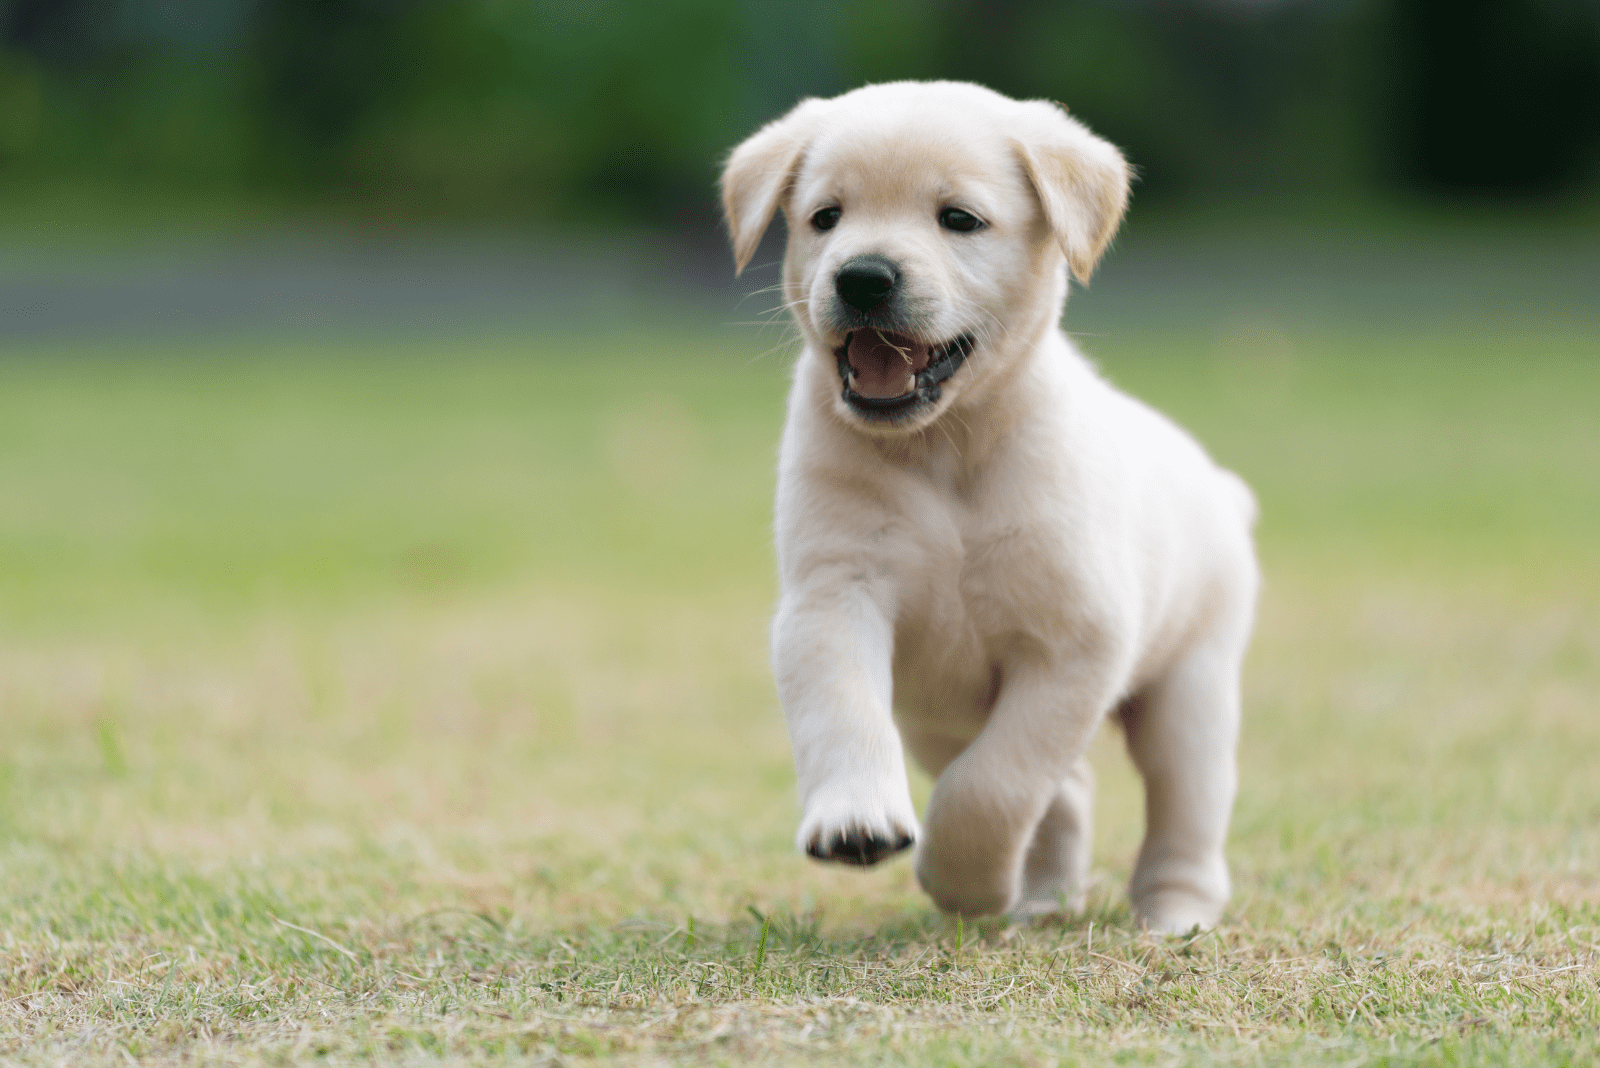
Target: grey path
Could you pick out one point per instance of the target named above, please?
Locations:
(302, 281)
(311, 281)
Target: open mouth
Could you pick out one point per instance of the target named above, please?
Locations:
(889, 377)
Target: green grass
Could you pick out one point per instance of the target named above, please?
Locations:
(406, 702)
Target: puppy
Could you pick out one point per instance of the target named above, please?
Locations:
(985, 549)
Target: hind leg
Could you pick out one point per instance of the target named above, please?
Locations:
(1182, 732)
(1055, 873)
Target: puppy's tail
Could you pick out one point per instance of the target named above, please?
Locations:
(1241, 492)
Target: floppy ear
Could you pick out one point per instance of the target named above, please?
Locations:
(1082, 182)
(758, 174)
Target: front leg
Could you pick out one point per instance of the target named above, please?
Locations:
(990, 801)
(832, 652)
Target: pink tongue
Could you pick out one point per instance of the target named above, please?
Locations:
(885, 364)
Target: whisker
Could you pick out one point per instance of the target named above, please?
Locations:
(774, 350)
(776, 287)
(950, 437)
(786, 305)
(951, 412)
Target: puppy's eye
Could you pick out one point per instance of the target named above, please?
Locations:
(826, 218)
(962, 222)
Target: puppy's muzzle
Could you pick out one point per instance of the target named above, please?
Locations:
(888, 371)
(924, 377)
(867, 283)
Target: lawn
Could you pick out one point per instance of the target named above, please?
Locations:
(404, 700)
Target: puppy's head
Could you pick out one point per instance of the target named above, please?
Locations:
(930, 229)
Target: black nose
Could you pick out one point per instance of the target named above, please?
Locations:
(865, 282)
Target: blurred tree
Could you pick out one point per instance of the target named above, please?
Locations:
(140, 94)
(318, 71)
(586, 111)
(1496, 96)
(552, 109)
(65, 33)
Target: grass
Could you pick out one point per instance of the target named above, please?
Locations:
(405, 702)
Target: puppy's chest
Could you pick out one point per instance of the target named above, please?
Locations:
(984, 575)
(983, 583)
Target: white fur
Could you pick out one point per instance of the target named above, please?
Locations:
(989, 582)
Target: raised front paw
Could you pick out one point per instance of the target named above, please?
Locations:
(856, 846)
(862, 833)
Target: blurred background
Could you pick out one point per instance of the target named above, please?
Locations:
(384, 160)
(568, 114)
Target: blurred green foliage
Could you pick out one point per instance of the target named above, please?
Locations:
(579, 111)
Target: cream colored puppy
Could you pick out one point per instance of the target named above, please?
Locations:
(985, 549)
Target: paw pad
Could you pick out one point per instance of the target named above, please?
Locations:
(863, 848)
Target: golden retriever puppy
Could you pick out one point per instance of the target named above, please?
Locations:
(985, 548)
